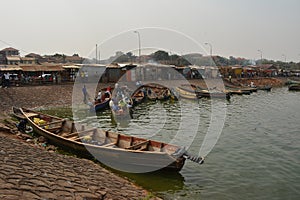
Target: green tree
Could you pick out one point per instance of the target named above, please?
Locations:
(161, 56)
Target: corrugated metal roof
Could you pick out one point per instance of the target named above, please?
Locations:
(41, 68)
(28, 58)
(71, 67)
(15, 58)
(10, 68)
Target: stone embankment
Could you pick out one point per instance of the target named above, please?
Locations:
(29, 172)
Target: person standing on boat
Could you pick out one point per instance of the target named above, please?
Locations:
(85, 94)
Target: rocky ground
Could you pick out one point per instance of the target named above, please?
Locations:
(29, 172)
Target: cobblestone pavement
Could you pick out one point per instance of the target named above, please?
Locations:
(29, 172)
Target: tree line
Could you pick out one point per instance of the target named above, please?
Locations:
(164, 57)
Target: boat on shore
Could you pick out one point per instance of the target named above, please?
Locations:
(242, 88)
(213, 94)
(157, 92)
(237, 91)
(186, 93)
(138, 96)
(119, 151)
(294, 87)
(99, 106)
(265, 87)
(102, 100)
(292, 82)
(200, 92)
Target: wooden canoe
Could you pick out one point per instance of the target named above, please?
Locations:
(105, 99)
(157, 92)
(242, 88)
(238, 91)
(205, 93)
(118, 151)
(211, 94)
(294, 87)
(139, 95)
(186, 94)
(101, 106)
(265, 87)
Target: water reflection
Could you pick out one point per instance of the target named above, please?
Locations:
(159, 181)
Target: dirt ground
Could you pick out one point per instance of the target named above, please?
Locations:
(274, 82)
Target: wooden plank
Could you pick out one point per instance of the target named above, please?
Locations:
(53, 128)
(31, 114)
(78, 133)
(138, 145)
(55, 122)
(113, 143)
(109, 144)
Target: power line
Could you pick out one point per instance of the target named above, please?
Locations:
(12, 46)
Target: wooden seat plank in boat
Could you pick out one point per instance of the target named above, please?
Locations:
(72, 135)
(138, 145)
(109, 144)
(29, 115)
(55, 122)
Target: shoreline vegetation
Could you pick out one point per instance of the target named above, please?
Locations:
(25, 162)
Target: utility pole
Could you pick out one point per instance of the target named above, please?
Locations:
(210, 49)
(261, 56)
(139, 40)
(96, 53)
(99, 57)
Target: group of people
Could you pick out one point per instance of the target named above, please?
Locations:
(121, 101)
(101, 97)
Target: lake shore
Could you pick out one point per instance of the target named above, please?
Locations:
(61, 95)
(28, 171)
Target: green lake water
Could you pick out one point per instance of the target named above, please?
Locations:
(257, 155)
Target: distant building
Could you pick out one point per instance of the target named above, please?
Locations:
(38, 58)
(74, 59)
(28, 60)
(11, 53)
(12, 60)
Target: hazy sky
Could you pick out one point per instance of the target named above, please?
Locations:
(233, 27)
